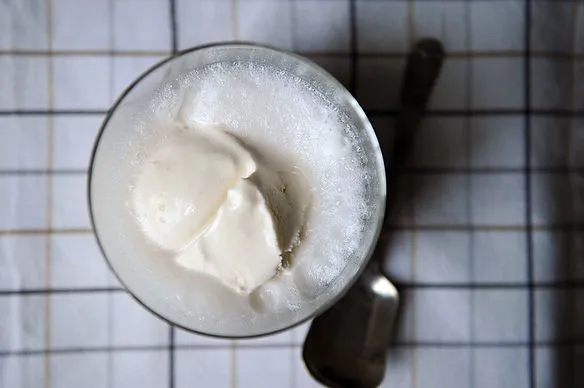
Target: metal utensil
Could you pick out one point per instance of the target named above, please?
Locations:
(346, 346)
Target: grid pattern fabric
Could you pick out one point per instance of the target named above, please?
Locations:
(488, 235)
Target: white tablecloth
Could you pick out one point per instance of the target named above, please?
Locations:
(488, 250)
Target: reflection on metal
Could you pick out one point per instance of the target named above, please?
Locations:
(382, 287)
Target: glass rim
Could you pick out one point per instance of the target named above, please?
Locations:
(379, 217)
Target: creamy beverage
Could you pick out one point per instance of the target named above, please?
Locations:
(239, 195)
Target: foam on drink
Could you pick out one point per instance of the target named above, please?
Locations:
(292, 129)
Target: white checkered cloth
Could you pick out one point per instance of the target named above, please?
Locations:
(489, 243)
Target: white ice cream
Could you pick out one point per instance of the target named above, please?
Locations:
(314, 168)
(240, 247)
(192, 198)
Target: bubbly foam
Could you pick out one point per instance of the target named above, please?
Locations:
(296, 130)
(292, 127)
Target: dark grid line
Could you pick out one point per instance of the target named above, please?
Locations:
(570, 342)
(576, 8)
(488, 344)
(556, 285)
(171, 357)
(136, 348)
(85, 53)
(560, 170)
(52, 112)
(548, 54)
(527, 199)
(486, 112)
(353, 49)
(171, 330)
(40, 291)
(563, 227)
(173, 26)
(469, 148)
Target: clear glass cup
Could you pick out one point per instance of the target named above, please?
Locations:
(164, 289)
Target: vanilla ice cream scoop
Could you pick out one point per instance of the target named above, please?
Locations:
(193, 198)
(182, 185)
(240, 248)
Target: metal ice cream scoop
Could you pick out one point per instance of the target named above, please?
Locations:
(346, 346)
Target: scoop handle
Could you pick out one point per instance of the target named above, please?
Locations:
(422, 70)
